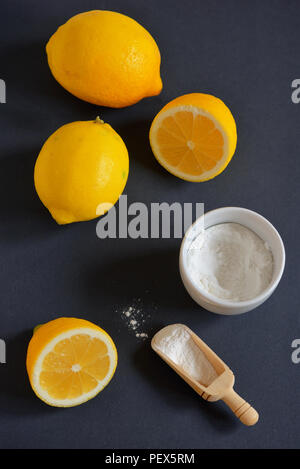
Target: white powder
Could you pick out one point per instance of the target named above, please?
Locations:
(128, 311)
(135, 318)
(133, 322)
(231, 262)
(143, 335)
(176, 342)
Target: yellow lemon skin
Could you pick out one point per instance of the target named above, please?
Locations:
(105, 58)
(81, 165)
(44, 334)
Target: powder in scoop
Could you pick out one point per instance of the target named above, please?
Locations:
(231, 262)
(176, 342)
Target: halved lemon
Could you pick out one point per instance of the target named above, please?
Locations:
(194, 137)
(69, 361)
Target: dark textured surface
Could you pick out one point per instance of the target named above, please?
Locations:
(243, 52)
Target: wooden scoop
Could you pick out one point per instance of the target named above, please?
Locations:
(220, 388)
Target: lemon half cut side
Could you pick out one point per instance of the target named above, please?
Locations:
(69, 361)
(194, 137)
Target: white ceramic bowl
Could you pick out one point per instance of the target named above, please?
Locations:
(255, 222)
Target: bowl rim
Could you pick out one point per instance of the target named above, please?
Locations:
(223, 302)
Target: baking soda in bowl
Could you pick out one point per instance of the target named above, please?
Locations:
(230, 262)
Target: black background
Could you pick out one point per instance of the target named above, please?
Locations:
(246, 53)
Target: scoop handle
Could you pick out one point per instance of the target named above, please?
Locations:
(242, 410)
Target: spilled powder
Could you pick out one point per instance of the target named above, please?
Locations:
(135, 318)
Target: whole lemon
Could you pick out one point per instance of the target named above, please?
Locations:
(83, 165)
(105, 58)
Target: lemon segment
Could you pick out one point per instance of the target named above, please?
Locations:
(69, 361)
